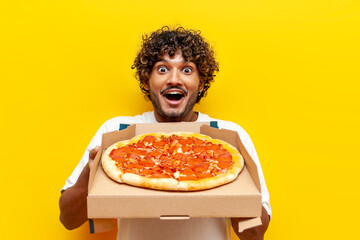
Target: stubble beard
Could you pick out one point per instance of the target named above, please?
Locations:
(172, 115)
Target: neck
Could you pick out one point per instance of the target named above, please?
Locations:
(190, 117)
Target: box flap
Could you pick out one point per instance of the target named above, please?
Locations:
(94, 167)
(247, 223)
(250, 164)
(102, 225)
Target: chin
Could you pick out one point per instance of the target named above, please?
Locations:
(173, 114)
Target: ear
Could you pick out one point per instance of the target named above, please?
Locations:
(146, 84)
(201, 85)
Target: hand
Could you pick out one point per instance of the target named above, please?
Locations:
(256, 233)
(72, 203)
(92, 155)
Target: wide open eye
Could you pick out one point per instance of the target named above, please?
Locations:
(187, 70)
(162, 69)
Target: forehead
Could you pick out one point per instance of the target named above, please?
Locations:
(176, 58)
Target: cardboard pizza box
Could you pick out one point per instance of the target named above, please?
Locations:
(108, 200)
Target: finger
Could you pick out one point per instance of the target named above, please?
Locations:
(93, 152)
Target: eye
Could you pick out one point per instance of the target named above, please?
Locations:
(187, 70)
(162, 69)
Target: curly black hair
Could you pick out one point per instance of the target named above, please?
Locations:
(167, 41)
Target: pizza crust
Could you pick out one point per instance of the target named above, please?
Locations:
(110, 168)
(154, 183)
(206, 183)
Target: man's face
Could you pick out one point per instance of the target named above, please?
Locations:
(174, 85)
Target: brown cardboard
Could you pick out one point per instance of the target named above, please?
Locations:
(247, 223)
(103, 225)
(241, 198)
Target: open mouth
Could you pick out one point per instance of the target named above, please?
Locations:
(174, 96)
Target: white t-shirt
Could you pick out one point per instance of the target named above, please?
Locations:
(197, 228)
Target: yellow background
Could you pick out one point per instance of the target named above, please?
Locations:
(289, 75)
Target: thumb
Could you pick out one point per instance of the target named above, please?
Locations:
(93, 153)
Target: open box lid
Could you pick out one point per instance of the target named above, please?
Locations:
(241, 198)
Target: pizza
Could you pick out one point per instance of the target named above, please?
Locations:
(178, 161)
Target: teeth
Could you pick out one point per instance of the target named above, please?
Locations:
(174, 93)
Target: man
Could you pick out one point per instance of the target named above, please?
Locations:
(175, 68)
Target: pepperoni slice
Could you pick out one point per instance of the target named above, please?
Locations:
(149, 139)
(187, 172)
(223, 158)
(155, 153)
(202, 168)
(132, 156)
(194, 162)
(147, 163)
(166, 163)
(157, 168)
(117, 153)
(152, 173)
(168, 171)
(198, 142)
(177, 164)
(159, 144)
(179, 156)
(140, 144)
(221, 152)
(198, 149)
(126, 149)
(186, 148)
(174, 145)
(186, 141)
(147, 172)
(224, 165)
(205, 155)
(133, 165)
(212, 147)
(140, 152)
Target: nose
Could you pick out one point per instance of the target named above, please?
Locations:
(174, 78)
